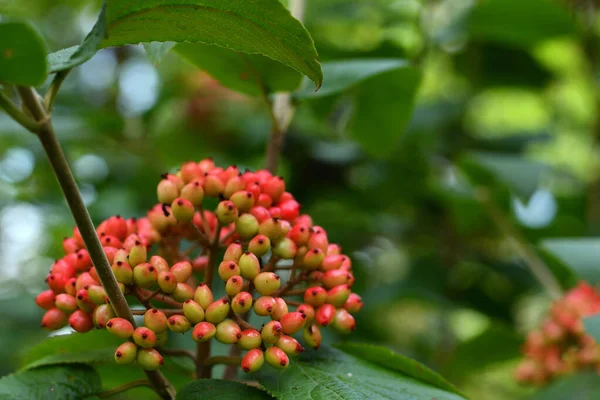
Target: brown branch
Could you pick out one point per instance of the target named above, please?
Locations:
(166, 311)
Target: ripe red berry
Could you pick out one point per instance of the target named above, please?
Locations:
(343, 321)
(299, 234)
(241, 303)
(62, 267)
(335, 277)
(333, 261)
(308, 311)
(354, 303)
(253, 360)
(81, 321)
(54, 319)
(289, 345)
(57, 282)
(315, 296)
(66, 303)
(45, 299)
(203, 332)
(324, 315)
(102, 314)
(338, 295)
(292, 322)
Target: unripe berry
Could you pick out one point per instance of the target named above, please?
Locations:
(81, 321)
(313, 259)
(166, 191)
(267, 283)
(182, 271)
(307, 310)
(228, 332)
(227, 212)
(203, 296)
(285, 249)
(145, 275)
(66, 303)
(45, 299)
(159, 263)
(120, 327)
(259, 245)
(312, 336)
(271, 332)
(182, 209)
(123, 272)
(276, 358)
(343, 321)
(167, 282)
(97, 294)
(54, 319)
(292, 322)
(193, 192)
(233, 185)
(290, 210)
(217, 311)
(155, 320)
(179, 324)
(243, 200)
(241, 303)
(289, 345)
(102, 314)
(193, 311)
(264, 306)
(84, 302)
(57, 282)
(249, 265)
(144, 337)
(274, 228)
(280, 309)
(338, 295)
(203, 332)
(250, 339)
(227, 269)
(149, 359)
(253, 361)
(233, 252)
(335, 277)
(126, 353)
(331, 262)
(137, 254)
(324, 315)
(213, 186)
(234, 285)
(315, 296)
(246, 226)
(354, 303)
(182, 292)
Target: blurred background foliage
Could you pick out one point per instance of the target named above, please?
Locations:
(506, 98)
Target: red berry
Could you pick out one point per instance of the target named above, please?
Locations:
(81, 321)
(249, 339)
(289, 345)
(292, 322)
(120, 327)
(54, 319)
(45, 299)
(277, 358)
(315, 296)
(144, 337)
(253, 361)
(324, 315)
(203, 332)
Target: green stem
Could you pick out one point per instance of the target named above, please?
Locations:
(17, 115)
(84, 222)
(125, 387)
(57, 82)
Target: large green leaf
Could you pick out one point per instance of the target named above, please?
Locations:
(397, 362)
(383, 93)
(22, 55)
(218, 389)
(255, 27)
(247, 73)
(330, 373)
(580, 254)
(535, 21)
(584, 386)
(64, 382)
(157, 50)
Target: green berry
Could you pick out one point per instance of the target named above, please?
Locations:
(312, 336)
(249, 265)
(179, 324)
(271, 332)
(241, 303)
(167, 282)
(203, 332)
(253, 361)
(227, 212)
(193, 311)
(182, 271)
(228, 332)
(120, 255)
(274, 228)
(217, 311)
(313, 259)
(161, 338)
(234, 285)
(166, 191)
(182, 292)
(276, 358)
(159, 263)
(289, 345)
(280, 309)
(267, 283)
(182, 209)
(250, 339)
(126, 353)
(145, 275)
(155, 320)
(102, 314)
(203, 296)
(149, 359)
(144, 337)
(97, 294)
(246, 226)
(285, 249)
(264, 305)
(227, 269)
(259, 245)
(137, 254)
(243, 200)
(120, 327)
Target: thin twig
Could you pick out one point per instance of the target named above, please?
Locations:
(125, 387)
(57, 82)
(538, 268)
(13, 111)
(163, 298)
(241, 322)
(178, 353)
(290, 284)
(166, 311)
(209, 362)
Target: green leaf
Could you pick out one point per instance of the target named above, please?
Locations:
(247, 73)
(536, 21)
(397, 362)
(584, 386)
(22, 55)
(580, 254)
(88, 356)
(218, 389)
(64, 382)
(330, 373)
(592, 326)
(77, 55)
(157, 50)
(259, 27)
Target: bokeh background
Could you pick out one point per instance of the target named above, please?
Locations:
(507, 101)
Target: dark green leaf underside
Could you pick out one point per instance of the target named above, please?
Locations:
(218, 389)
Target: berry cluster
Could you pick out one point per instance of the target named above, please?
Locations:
(560, 346)
(255, 234)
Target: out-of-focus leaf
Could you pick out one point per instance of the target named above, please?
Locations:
(218, 389)
(584, 386)
(329, 371)
(22, 55)
(64, 382)
(535, 21)
(157, 50)
(246, 73)
(89, 356)
(397, 362)
(591, 325)
(579, 254)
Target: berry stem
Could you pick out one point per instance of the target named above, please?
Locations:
(209, 362)
(178, 353)
(13, 111)
(57, 82)
(62, 171)
(291, 283)
(166, 311)
(145, 295)
(124, 387)
(241, 322)
(538, 268)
